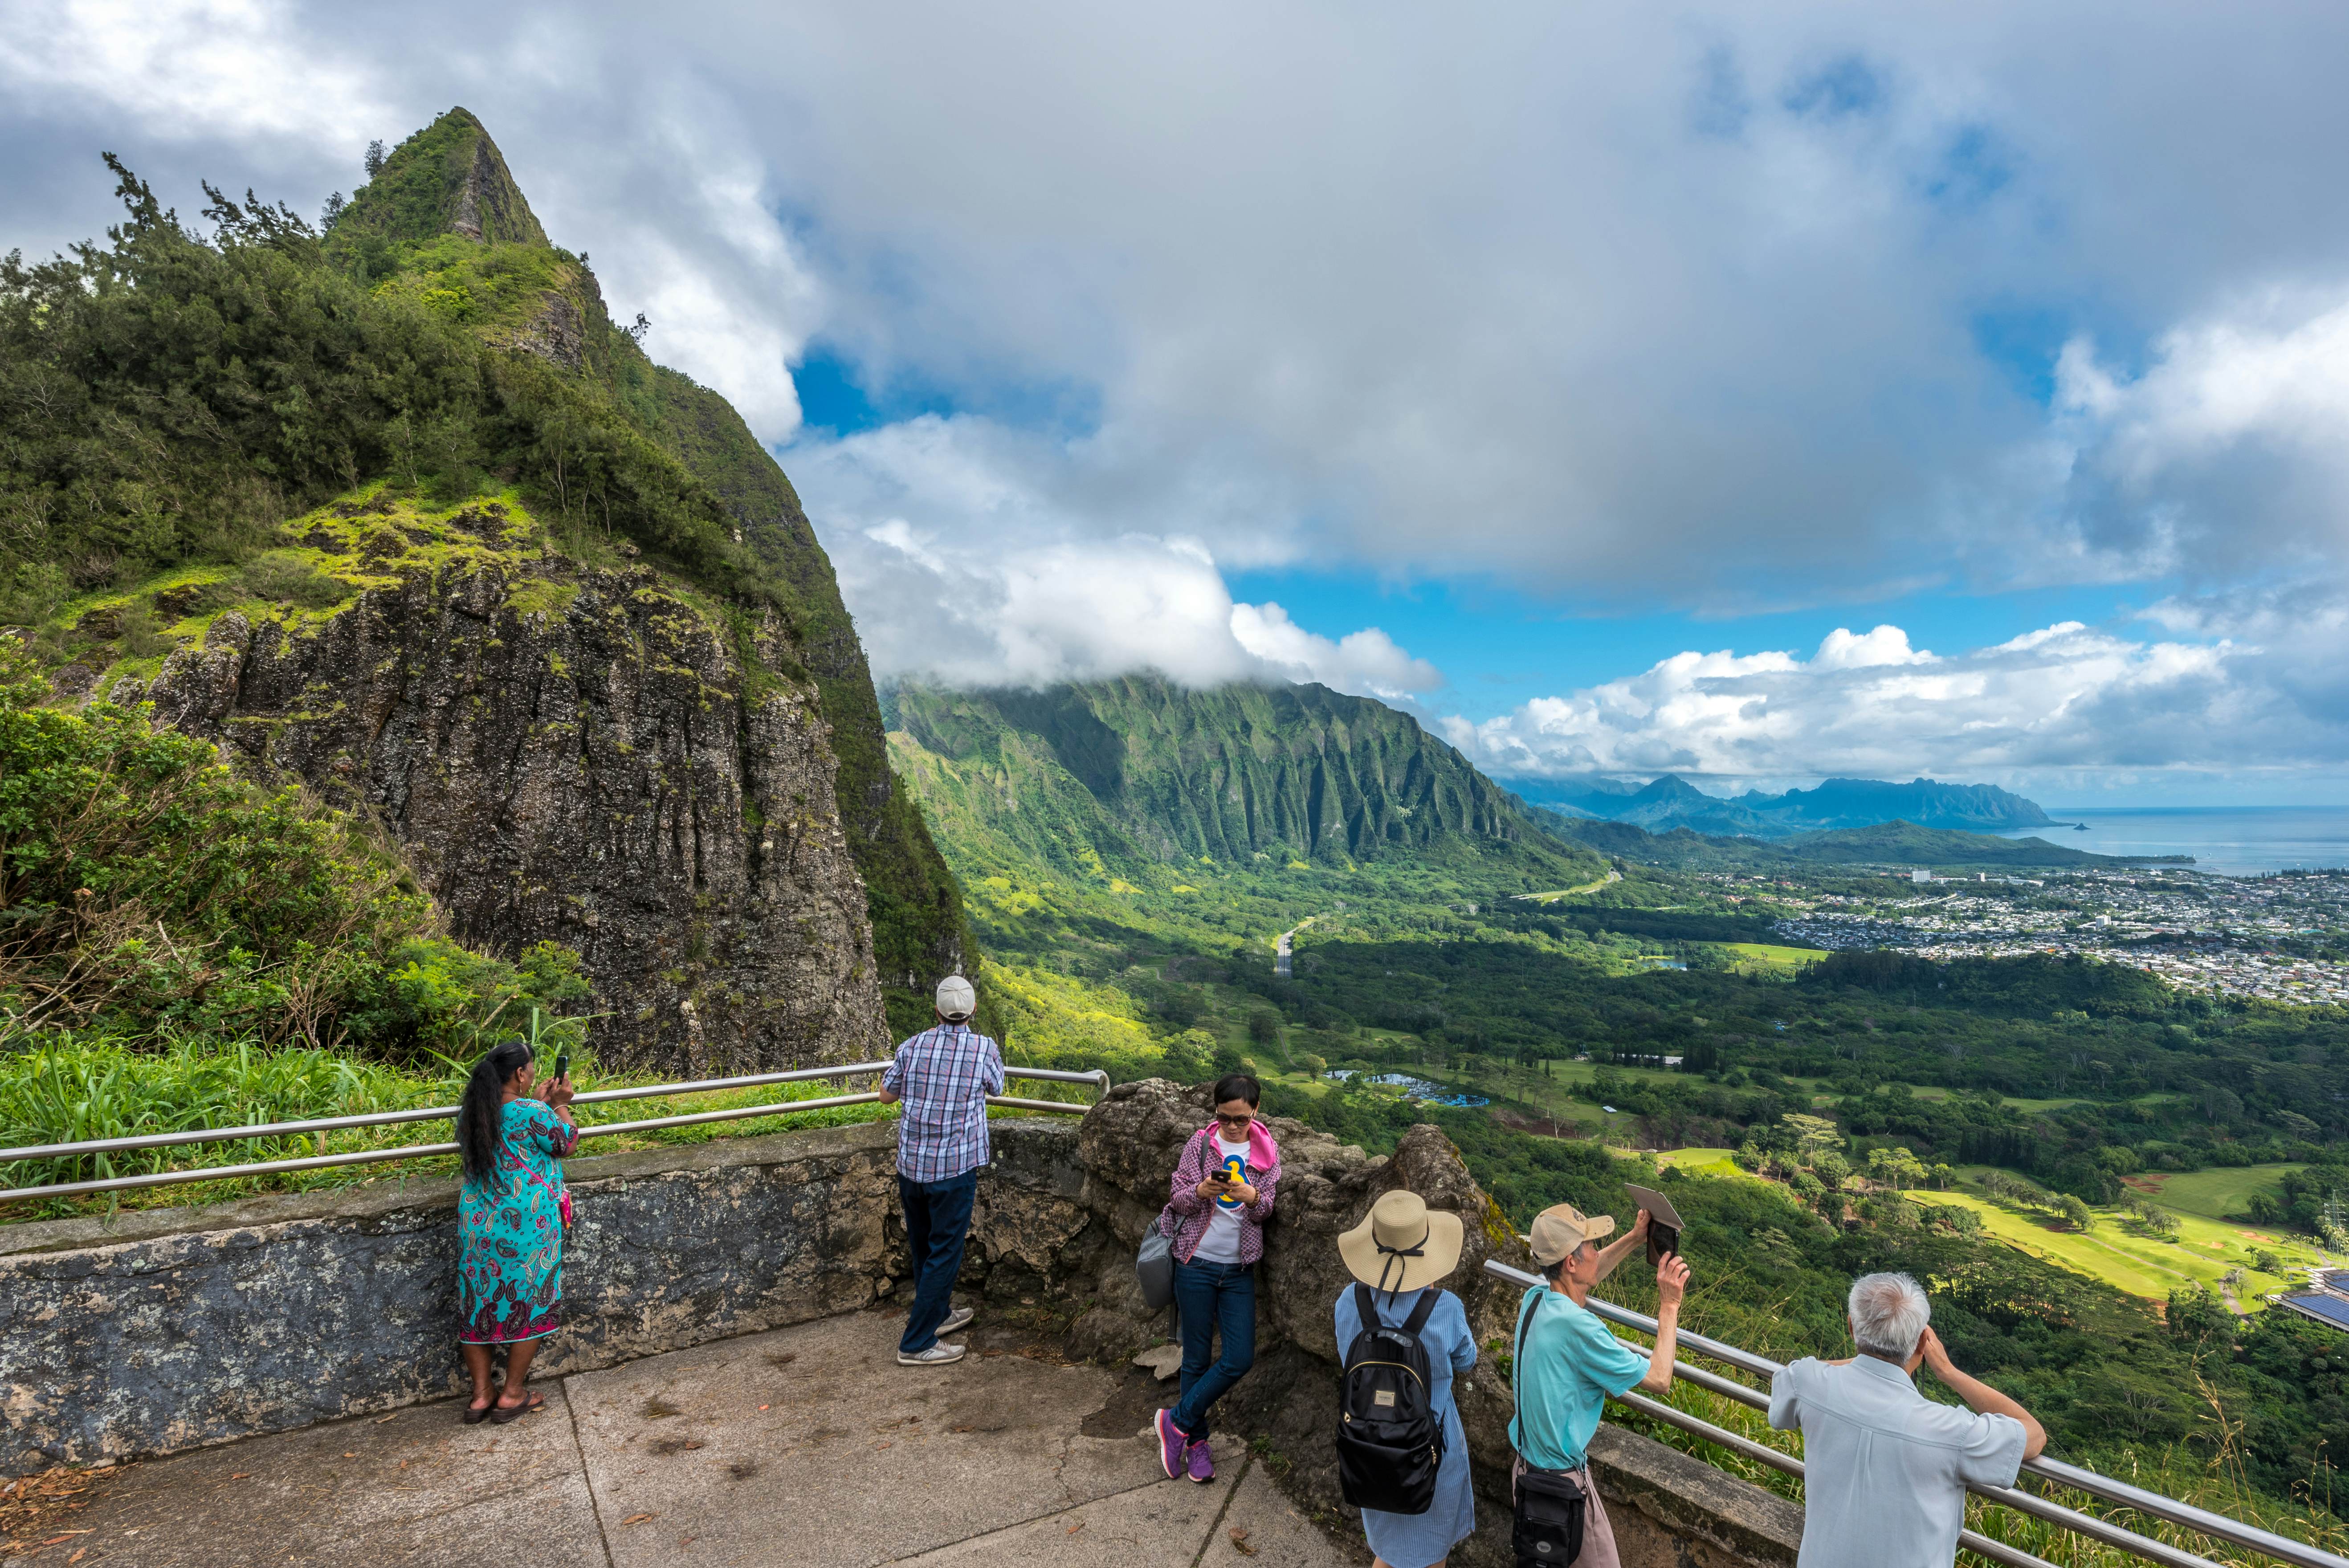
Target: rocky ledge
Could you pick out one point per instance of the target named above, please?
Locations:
(593, 756)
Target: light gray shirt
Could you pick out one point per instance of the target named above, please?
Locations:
(1884, 1468)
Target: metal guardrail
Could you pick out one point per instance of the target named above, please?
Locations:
(2217, 1526)
(322, 1126)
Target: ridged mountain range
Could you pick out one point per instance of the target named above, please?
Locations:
(1138, 769)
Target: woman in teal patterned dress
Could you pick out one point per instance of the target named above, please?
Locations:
(510, 1218)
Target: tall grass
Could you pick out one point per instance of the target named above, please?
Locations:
(76, 1090)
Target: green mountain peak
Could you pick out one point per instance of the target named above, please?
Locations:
(447, 178)
(1136, 771)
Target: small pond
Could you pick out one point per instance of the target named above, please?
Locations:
(1419, 1088)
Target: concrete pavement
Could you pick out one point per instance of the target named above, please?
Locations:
(804, 1448)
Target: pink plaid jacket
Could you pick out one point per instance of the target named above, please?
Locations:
(1185, 1218)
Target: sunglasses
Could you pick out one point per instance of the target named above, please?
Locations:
(1240, 1120)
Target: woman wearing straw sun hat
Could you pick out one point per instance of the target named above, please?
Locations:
(1399, 1252)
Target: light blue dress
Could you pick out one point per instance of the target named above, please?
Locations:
(1422, 1540)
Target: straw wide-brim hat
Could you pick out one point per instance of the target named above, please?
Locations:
(1402, 1244)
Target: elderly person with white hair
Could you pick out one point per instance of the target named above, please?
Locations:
(1884, 1469)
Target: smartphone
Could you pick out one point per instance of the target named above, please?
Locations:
(561, 1066)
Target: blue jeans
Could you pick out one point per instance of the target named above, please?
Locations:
(937, 1217)
(1213, 1296)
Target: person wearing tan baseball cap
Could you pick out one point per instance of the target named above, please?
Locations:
(1569, 1364)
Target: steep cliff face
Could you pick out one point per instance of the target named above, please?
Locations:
(916, 905)
(518, 292)
(417, 219)
(596, 756)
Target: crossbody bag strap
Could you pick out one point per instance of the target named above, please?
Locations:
(1516, 1366)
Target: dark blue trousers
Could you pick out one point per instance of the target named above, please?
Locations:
(1213, 1296)
(937, 1217)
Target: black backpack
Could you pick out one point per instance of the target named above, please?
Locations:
(1390, 1436)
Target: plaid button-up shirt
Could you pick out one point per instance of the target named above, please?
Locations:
(945, 1075)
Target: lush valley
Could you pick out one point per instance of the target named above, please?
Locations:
(2005, 1126)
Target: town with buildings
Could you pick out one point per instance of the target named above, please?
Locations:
(2280, 937)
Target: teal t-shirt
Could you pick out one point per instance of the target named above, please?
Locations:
(1570, 1365)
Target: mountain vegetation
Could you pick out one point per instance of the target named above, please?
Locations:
(1086, 820)
(173, 399)
(151, 896)
(1155, 773)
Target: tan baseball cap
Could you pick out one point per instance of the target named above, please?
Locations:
(956, 1000)
(1560, 1228)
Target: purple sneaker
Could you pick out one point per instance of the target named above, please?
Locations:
(1171, 1442)
(1200, 1461)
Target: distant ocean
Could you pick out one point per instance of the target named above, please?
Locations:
(2236, 839)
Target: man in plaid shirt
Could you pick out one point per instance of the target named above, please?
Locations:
(942, 1075)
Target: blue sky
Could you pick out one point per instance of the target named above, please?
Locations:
(1755, 392)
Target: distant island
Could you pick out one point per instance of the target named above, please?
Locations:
(1896, 844)
(1672, 801)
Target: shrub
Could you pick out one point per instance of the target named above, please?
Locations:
(147, 891)
(284, 576)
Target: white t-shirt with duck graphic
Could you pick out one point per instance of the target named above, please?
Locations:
(1221, 1245)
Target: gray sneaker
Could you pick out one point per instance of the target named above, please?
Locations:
(956, 1321)
(938, 1354)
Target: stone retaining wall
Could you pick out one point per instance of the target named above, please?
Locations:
(163, 1330)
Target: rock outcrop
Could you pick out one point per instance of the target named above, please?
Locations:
(449, 178)
(583, 756)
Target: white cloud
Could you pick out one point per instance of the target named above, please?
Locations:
(1037, 613)
(962, 566)
(686, 232)
(2229, 453)
(1882, 646)
(1690, 308)
(2066, 697)
(185, 68)
(1366, 662)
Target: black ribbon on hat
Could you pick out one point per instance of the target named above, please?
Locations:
(1395, 1256)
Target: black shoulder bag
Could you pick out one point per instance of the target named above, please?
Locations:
(1547, 1532)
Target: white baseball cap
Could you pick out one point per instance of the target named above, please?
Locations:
(956, 1000)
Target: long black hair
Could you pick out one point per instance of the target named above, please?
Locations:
(479, 1113)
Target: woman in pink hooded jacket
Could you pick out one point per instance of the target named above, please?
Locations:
(1222, 1194)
